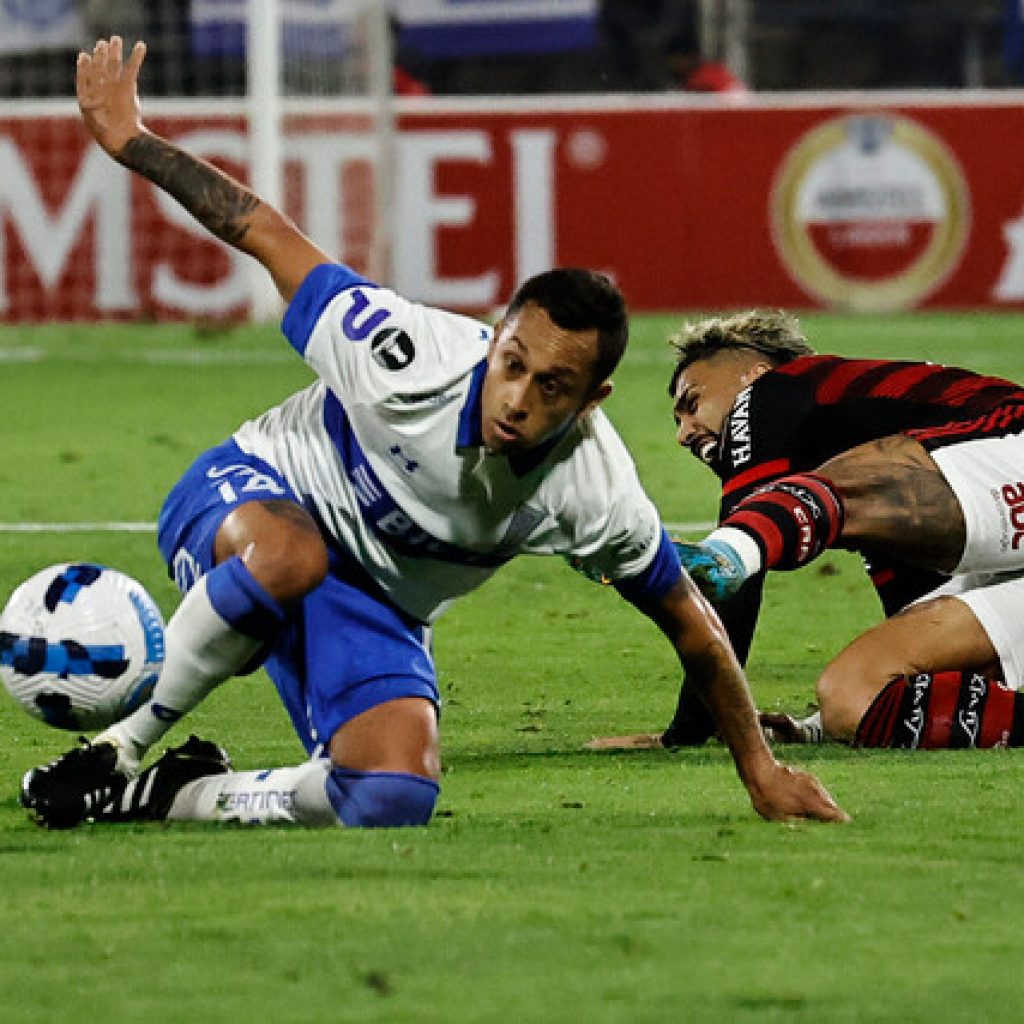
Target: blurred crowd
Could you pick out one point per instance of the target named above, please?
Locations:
(588, 46)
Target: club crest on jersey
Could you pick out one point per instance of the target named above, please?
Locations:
(392, 348)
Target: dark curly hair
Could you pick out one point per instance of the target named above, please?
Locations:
(775, 335)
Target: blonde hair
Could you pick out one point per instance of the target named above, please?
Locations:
(774, 334)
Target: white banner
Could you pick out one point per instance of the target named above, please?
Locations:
(30, 25)
(466, 12)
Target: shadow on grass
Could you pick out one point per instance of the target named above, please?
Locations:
(712, 754)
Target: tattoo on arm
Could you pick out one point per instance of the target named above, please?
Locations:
(898, 503)
(222, 205)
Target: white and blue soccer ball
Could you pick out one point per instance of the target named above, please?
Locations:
(81, 645)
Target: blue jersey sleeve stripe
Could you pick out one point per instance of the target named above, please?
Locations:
(658, 578)
(469, 430)
(322, 283)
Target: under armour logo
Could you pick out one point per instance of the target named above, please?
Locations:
(409, 465)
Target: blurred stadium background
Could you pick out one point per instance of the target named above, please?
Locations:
(708, 153)
(826, 155)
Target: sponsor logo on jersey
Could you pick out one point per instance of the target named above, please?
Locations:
(739, 429)
(870, 211)
(392, 348)
(1013, 498)
(390, 522)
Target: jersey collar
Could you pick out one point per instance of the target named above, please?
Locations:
(470, 432)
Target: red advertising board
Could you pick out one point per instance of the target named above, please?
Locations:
(849, 202)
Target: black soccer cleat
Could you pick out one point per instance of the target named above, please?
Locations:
(83, 784)
(149, 796)
(65, 792)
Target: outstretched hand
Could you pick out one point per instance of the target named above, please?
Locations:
(787, 793)
(108, 95)
(782, 728)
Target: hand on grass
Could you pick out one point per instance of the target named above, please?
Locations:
(785, 793)
(781, 728)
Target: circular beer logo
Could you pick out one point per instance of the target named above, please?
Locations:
(870, 212)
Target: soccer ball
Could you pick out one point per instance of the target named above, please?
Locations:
(81, 645)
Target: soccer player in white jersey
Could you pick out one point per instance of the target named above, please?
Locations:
(325, 536)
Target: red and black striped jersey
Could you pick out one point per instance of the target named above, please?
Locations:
(805, 412)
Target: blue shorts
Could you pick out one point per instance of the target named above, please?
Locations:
(344, 648)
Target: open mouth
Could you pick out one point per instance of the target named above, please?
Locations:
(704, 448)
(505, 432)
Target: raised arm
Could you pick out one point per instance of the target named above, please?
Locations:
(700, 640)
(108, 98)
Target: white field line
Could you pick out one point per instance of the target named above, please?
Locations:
(153, 357)
(78, 527)
(698, 526)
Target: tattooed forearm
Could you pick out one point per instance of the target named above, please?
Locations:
(897, 502)
(222, 205)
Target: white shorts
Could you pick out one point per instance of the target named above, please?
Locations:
(997, 600)
(987, 476)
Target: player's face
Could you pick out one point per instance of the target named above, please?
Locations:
(539, 377)
(705, 394)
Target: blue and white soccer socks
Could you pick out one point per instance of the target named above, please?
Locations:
(297, 795)
(241, 600)
(312, 795)
(382, 799)
(222, 623)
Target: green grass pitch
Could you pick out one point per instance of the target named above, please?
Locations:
(555, 883)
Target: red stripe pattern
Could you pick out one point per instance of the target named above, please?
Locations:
(756, 474)
(935, 711)
(930, 386)
(791, 520)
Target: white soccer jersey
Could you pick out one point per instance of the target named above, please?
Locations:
(385, 448)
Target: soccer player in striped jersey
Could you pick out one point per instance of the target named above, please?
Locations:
(327, 535)
(918, 466)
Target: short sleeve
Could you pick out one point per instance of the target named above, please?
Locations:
(367, 342)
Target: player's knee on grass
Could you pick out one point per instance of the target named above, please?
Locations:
(382, 799)
(842, 704)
